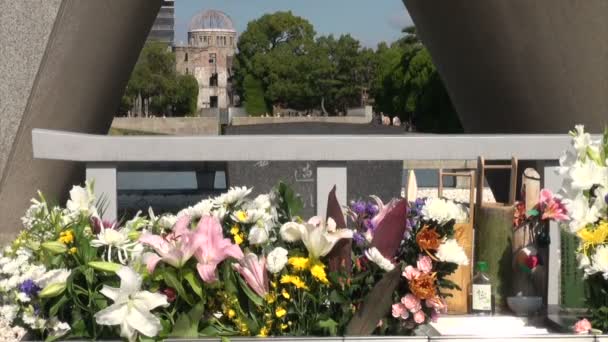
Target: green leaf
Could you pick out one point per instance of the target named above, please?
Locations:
(58, 305)
(337, 298)
(329, 325)
(532, 212)
(184, 327)
(194, 282)
(196, 313)
(250, 294)
(229, 278)
(172, 281)
(292, 200)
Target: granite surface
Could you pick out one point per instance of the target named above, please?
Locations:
(25, 27)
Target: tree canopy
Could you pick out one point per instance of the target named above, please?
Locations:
(154, 78)
(281, 62)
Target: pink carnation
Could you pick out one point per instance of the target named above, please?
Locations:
(425, 263)
(410, 272)
(434, 316)
(399, 310)
(419, 317)
(437, 303)
(411, 302)
(582, 327)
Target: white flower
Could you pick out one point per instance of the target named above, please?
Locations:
(586, 174)
(442, 211)
(82, 200)
(33, 320)
(167, 221)
(9, 312)
(318, 238)
(599, 262)
(580, 213)
(131, 307)
(234, 196)
(23, 297)
(58, 328)
(374, 255)
(276, 260)
(117, 239)
(258, 235)
(57, 276)
(582, 141)
(451, 251)
(262, 202)
(566, 161)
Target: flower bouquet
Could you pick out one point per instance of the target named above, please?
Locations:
(227, 266)
(585, 193)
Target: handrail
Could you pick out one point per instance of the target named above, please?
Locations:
(69, 146)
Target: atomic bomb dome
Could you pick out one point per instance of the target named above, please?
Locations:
(211, 20)
(208, 57)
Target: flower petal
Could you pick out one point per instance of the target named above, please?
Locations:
(144, 322)
(146, 301)
(292, 231)
(130, 281)
(112, 315)
(207, 272)
(110, 292)
(151, 260)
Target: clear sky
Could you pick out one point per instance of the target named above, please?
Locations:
(370, 21)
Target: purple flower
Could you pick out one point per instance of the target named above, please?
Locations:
(359, 238)
(371, 209)
(358, 207)
(29, 288)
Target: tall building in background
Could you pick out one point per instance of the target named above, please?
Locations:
(208, 57)
(163, 29)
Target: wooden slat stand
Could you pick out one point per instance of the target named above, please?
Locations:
(459, 302)
(493, 232)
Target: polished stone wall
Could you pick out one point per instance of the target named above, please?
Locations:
(63, 65)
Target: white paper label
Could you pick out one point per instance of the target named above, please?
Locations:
(482, 297)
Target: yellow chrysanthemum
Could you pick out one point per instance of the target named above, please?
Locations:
(263, 332)
(73, 250)
(294, 280)
(239, 238)
(591, 237)
(285, 294)
(299, 263)
(235, 229)
(231, 313)
(280, 312)
(318, 272)
(271, 298)
(66, 237)
(284, 326)
(241, 216)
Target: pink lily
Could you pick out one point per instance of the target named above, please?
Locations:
(213, 248)
(175, 249)
(552, 207)
(253, 271)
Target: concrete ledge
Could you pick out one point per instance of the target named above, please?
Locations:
(252, 120)
(171, 126)
(58, 145)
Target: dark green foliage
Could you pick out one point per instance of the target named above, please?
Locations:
(154, 77)
(255, 104)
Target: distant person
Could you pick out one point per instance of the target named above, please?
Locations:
(386, 120)
(396, 121)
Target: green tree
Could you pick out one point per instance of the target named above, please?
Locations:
(408, 85)
(276, 49)
(154, 78)
(255, 104)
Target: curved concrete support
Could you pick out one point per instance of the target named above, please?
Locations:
(520, 66)
(64, 65)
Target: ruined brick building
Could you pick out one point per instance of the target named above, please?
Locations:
(208, 57)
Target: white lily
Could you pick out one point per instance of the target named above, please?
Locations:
(131, 307)
(82, 200)
(318, 237)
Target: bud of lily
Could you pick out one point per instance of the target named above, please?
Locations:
(52, 290)
(134, 235)
(105, 266)
(55, 247)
